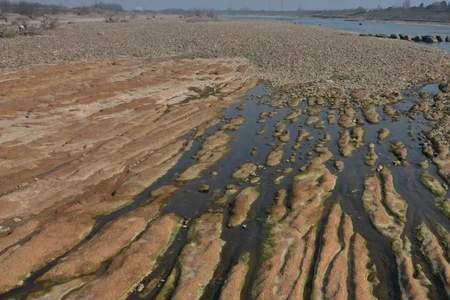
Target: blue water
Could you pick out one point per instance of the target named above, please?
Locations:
(373, 27)
(382, 27)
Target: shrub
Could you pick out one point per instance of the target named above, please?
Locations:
(49, 23)
(116, 19)
(8, 31)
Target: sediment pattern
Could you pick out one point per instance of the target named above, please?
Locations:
(277, 199)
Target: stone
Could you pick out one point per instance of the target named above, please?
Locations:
(204, 188)
(245, 171)
(242, 205)
(4, 230)
(428, 39)
(383, 134)
(339, 165)
(275, 157)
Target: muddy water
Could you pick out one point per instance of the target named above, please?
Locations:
(190, 204)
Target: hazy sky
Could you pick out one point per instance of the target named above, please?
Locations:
(238, 4)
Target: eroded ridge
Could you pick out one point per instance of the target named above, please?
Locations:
(85, 139)
(200, 257)
(289, 249)
(301, 193)
(387, 211)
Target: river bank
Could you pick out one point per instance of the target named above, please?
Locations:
(279, 52)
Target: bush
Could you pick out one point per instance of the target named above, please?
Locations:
(8, 31)
(31, 31)
(3, 17)
(116, 19)
(48, 23)
(21, 27)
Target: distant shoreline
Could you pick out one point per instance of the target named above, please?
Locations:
(345, 18)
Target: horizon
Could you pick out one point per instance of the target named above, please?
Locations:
(267, 5)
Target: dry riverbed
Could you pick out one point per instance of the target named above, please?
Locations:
(175, 178)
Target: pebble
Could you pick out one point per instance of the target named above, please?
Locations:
(204, 188)
(5, 230)
(140, 288)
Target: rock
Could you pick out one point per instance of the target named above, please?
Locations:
(444, 87)
(200, 257)
(383, 134)
(434, 254)
(242, 205)
(400, 150)
(204, 188)
(371, 157)
(232, 189)
(275, 157)
(278, 210)
(282, 276)
(108, 243)
(359, 95)
(278, 180)
(234, 124)
(424, 165)
(429, 39)
(255, 180)
(330, 280)
(447, 39)
(397, 163)
(417, 39)
(433, 184)
(347, 118)
(213, 149)
(371, 114)
(234, 284)
(245, 171)
(339, 165)
(439, 39)
(393, 36)
(388, 220)
(345, 145)
(282, 132)
(364, 275)
(140, 288)
(131, 266)
(390, 110)
(4, 230)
